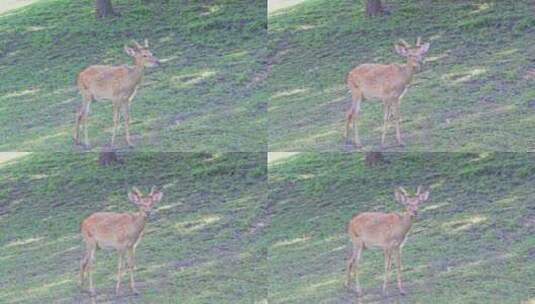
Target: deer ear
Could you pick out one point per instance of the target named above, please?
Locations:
(424, 48)
(400, 197)
(134, 197)
(156, 197)
(401, 49)
(130, 51)
(423, 196)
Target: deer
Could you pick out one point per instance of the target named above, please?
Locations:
(119, 231)
(385, 82)
(387, 231)
(118, 84)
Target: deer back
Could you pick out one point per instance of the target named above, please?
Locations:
(110, 82)
(113, 230)
(383, 230)
(380, 81)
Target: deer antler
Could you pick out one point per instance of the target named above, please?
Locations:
(419, 190)
(418, 41)
(404, 43)
(137, 45)
(146, 43)
(403, 191)
(136, 191)
(152, 190)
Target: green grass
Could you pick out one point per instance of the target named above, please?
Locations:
(199, 245)
(471, 95)
(473, 241)
(207, 96)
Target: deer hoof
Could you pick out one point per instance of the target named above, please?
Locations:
(135, 291)
(402, 292)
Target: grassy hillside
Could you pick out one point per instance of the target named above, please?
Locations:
(475, 91)
(472, 243)
(207, 95)
(198, 245)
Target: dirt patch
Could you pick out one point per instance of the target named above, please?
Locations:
(274, 5)
(8, 5)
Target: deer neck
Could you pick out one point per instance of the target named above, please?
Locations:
(136, 74)
(409, 69)
(406, 222)
(140, 218)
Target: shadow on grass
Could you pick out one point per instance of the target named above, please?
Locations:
(210, 66)
(470, 242)
(459, 102)
(196, 239)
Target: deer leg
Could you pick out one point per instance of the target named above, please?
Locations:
(351, 263)
(79, 112)
(387, 110)
(397, 117)
(131, 267)
(119, 273)
(82, 117)
(359, 253)
(89, 272)
(76, 133)
(398, 261)
(115, 121)
(87, 104)
(388, 266)
(126, 116)
(353, 116)
(83, 267)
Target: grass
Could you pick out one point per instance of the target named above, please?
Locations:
(473, 241)
(473, 94)
(207, 96)
(199, 245)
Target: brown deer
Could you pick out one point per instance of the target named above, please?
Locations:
(116, 83)
(385, 82)
(387, 231)
(119, 231)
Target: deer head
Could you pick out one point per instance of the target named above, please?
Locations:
(411, 203)
(145, 203)
(415, 55)
(142, 55)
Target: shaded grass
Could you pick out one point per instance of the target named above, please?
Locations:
(204, 97)
(472, 243)
(198, 245)
(471, 95)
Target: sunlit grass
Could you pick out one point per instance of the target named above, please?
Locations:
(202, 98)
(196, 246)
(469, 243)
(472, 94)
